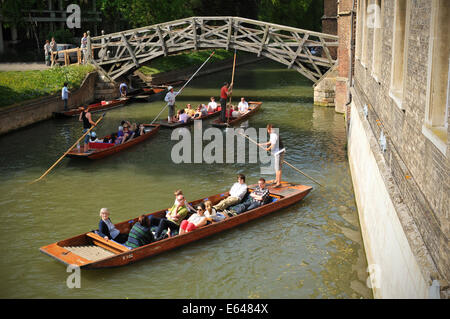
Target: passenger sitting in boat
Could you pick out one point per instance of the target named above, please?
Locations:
(173, 218)
(212, 106)
(183, 117)
(195, 221)
(258, 197)
(189, 110)
(140, 130)
(198, 112)
(127, 133)
(237, 192)
(94, 138)
(180, 192)
(111, 139)
(140, 234)
(234, 112)
(107, 230)
(243, 106)
(211, 213)
(119, 138)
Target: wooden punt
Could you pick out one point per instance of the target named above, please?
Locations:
(101, 150)
(149, 94)
(94, 108)
(253, 108)
(166, 124)
(90, 251)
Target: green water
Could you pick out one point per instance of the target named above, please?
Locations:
(312, 249)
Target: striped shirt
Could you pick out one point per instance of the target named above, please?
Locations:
(139, 236)
(263, 192)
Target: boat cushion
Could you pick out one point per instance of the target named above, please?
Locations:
(100, 145)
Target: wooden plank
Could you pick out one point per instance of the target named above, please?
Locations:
(107, 244)
(130, 51)
(162, 43)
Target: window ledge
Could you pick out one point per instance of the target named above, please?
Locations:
(397, 98)
(436, 135)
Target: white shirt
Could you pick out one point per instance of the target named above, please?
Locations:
(196, 218)
(170, 97)
(183, 117)
(238, 190)
(243, 106)
(212, 106)
(65, 93)
(273, 141)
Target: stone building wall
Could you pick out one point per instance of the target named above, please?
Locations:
(419, 169)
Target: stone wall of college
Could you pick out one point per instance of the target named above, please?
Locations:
(36, 110)
(414, 185)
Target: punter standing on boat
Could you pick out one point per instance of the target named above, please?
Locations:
(86, 118)
(170, 99)
(225, 91)
(276, 146)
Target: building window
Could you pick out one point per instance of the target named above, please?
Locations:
(436, 112)
(399, 51)
(377, 38)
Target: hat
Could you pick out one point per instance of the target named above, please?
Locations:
(169, 88)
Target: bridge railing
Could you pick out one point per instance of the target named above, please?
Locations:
(306, 51)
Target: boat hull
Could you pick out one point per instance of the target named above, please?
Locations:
(101, 153)
(256, 106)
(94, 108)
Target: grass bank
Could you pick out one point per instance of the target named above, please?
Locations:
(19, 86)
(184, 60)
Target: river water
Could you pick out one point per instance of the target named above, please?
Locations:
(312, 249)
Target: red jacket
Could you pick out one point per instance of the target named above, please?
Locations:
(224, 92)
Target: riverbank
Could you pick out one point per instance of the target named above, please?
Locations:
(29, 112)
(20, 86)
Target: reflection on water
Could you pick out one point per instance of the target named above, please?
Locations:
(312, 249)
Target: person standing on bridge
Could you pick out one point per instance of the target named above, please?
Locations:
(225, 91)
(170, 99)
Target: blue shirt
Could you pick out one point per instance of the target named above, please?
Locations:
(123, 85)
(65, 93)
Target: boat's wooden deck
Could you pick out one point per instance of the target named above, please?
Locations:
(90, 252)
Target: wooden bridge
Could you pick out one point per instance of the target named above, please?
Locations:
(118, 54)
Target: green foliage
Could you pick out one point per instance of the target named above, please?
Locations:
(61, 36)
(304, 14)
(19, 86)
(183, 60)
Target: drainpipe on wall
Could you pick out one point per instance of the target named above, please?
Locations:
(350, 72)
